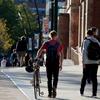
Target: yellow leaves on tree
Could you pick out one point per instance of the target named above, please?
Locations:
(5, 40)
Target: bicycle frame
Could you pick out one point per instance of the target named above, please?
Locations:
(36, 80)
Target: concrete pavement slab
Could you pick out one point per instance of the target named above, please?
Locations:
(8, 91)
(68, 86)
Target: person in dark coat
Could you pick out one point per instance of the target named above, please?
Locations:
(21, 48)
(13, 58)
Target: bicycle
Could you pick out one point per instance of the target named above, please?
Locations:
(36, 78)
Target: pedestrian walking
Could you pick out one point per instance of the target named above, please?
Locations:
(90, 64)
(96, 35)
(14, 58)
(54, 51)
(21, 48)
(27, 57)
(3, 62)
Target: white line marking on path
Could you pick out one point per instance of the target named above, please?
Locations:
(16, 85)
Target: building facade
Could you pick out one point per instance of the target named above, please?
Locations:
(83, 14)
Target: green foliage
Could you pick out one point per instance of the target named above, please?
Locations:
(27, 19)
(9, 13)
(15, 25)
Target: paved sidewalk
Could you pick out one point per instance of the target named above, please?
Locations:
(68, 85)
(8, 91)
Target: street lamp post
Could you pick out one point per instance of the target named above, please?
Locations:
(40, 33)
(54, 14)
(27, 17)
(24, 30)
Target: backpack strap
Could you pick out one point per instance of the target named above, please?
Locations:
(82, 43)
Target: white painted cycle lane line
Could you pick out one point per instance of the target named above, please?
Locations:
(20, 82)
(68, 87)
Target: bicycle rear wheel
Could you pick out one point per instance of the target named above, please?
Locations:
(39, 82)
(35, 85)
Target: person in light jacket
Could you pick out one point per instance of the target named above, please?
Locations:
(89, 66)
(3, 62)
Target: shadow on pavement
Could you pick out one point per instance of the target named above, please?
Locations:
(61, 99)
(46, 98)
(92, 97)
(53, 99)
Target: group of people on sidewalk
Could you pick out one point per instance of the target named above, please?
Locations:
(17, 57)
(54, 52)
(53, 49)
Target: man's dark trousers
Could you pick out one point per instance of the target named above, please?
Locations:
(92, 70)
(52, 74)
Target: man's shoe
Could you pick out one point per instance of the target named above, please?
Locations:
(94, 95)
(81, 92)
(54, 93)
(50, 95)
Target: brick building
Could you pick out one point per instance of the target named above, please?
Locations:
(83, 14)
(63, 29)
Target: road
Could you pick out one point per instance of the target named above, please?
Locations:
(68, 87)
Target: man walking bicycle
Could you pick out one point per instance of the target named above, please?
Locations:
(54, 51)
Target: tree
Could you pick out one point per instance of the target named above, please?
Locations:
(9, 13)
(27, 19)
(17, 27)
(5, 40)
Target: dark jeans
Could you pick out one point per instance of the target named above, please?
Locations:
(91, 71)
(15, 61)
(52, 76)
